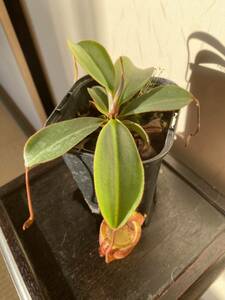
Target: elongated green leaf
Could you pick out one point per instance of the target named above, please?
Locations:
(95, 60)
(56, 139)
(162, 98)
(118, 173)
(138, 129)
(135, 78)
(100, 98)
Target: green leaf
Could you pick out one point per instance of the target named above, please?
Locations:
(100, 98)
(162, 98)
(54, 140)
(95, 60)
(118, 173)
(138, 129)
(135, 78)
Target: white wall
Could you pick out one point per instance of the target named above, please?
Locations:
(12, 81)
(53, 23)
(150, 32)
(156, 32)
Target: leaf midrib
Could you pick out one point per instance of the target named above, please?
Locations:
(129, 110)
(116, 168)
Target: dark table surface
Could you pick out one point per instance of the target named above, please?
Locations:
(181, 251)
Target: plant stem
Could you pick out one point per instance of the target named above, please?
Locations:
(113, 111)
(30, 220)
(114, 107)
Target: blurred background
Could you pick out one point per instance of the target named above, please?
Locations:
(185, 39)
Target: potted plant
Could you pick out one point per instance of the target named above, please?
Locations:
(118, 109)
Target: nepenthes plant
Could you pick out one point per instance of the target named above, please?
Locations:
(121, 100)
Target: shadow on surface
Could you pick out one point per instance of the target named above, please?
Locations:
(207, 84)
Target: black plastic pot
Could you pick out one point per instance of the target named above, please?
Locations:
(81, 163)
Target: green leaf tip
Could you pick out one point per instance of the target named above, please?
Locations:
(95, 60)
(54, 140)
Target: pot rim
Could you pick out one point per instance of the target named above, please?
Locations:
(170, 132)
(167, 145)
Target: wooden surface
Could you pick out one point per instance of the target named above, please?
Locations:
(58, 257)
